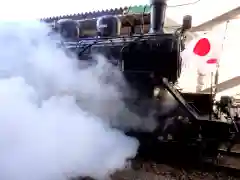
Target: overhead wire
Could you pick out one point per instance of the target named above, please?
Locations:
(185, 4)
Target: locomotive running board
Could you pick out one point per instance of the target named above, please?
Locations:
(179, 98)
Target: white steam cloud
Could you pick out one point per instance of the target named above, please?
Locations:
(44, 135)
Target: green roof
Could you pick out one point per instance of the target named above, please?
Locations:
(138, 9)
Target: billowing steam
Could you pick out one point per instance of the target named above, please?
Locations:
(44, 135)
(108, 103)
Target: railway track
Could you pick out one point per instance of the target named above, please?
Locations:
(228, 162)
(141, 170)
(153, 171)
(226, 166)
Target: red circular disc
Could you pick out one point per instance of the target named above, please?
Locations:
(202, 47)
(211, 61)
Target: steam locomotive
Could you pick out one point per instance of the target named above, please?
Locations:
(152, 64)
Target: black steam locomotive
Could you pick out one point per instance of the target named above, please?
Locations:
(151, 63)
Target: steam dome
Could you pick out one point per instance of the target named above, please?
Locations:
(69, 29)
(108, 26)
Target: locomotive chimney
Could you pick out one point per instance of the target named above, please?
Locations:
(158, 9)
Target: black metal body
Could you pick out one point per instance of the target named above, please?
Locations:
(159, 54)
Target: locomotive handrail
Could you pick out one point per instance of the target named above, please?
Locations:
(178, 97)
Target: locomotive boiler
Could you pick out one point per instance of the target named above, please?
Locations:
(151, 64)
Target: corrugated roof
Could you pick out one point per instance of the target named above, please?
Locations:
(116, 11)
(87, 15)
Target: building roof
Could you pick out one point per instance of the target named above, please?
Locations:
(137, 10)
(208, 25)
(87, 15)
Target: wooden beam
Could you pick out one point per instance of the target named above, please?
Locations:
(232, 14)
(231, 83)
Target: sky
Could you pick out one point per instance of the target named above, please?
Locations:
(32, 9)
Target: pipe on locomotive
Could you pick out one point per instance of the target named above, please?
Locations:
(158, 10)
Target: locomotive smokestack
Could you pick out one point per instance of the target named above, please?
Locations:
(158, 9)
